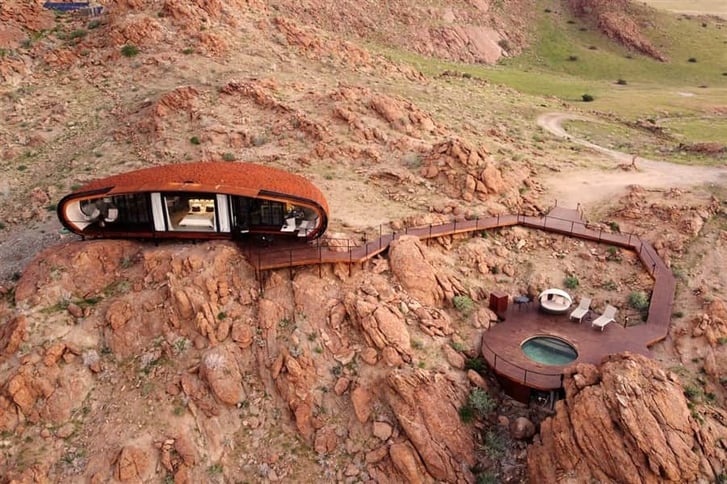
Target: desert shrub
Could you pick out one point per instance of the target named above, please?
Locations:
(466, 413)
(77, 34)
(94, 24)
(504, 44)
(412, 160)
(571, 282)
(494, 445)
(609, 285)
(194, 140)
(188, 50)
(613, 254)
(614, 226)
(592, 47)
(228, 156)
(639, 300)
(621, 82)
(692, 392)
(487, 477)
(260, 139)
(572, 58)
(692, 60)
(481, 401)
(129, 50)
(463, 304)
(457, 346)
(587, 98)
(476, 364)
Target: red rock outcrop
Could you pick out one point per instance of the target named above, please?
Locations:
(220, 370)
(463, 171)
(626, 422)
(426, 406)
(618, 21)
(409, 264)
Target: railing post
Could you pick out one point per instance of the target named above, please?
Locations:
(350, 256)
(380, 236)
(571, 227)
(498, 219)
(455, 224)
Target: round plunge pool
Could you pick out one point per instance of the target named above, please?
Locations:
(549, 350)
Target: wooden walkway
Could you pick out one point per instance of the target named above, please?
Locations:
(503, 354)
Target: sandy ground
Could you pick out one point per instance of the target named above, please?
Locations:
(589, 186)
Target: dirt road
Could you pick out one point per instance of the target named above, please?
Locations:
(589, 186)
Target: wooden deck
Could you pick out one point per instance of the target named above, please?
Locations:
(501, 345)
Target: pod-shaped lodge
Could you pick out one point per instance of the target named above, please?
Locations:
(197, 200)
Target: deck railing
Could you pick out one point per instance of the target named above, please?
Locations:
(332, 250)
(533, 378)
(329, 250)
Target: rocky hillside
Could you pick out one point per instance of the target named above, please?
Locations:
(620, 20)
(628, 422)
(123, 361)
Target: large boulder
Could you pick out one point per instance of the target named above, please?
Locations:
(220, 370)
(630, 425)
(426, 407)
(410, 266)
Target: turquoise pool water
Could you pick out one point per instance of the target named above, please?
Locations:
(549, 350)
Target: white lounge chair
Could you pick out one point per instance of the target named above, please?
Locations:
(583, 307)
(289, 225)
(608, 316)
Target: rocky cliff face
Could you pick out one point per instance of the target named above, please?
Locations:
(628, 421)
(136, 362)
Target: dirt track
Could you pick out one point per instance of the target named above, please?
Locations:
(589, 186)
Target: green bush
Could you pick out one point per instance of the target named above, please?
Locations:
(129, 50)
(571, 282)
(481, 401)
(572, 58)
(692, 60)
(228, 156)
(621, 82)
(587, 98)
(639, 300)
(194, 140)
(476, 364)
(466, 413)
(77, 34)
(464, 304)
(494, 445)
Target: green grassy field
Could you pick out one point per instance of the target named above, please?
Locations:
(706, 7)
(570, 58)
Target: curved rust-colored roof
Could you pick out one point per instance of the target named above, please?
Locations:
(236, 178)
